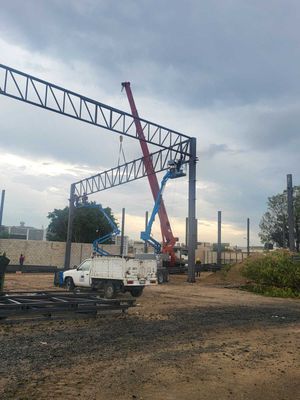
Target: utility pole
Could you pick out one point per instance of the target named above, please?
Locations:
(70, 227)
(2, 206)
(219, 245)
(290, 204)
(122, 233)
(248, 237)
(192, 211)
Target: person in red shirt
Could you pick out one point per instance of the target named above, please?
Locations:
(21, 259)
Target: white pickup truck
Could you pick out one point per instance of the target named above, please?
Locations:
(112, 275)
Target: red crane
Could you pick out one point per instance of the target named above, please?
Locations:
(168, 238)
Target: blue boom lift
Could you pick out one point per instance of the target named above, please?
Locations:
(174, 171)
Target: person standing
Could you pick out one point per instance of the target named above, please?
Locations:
(21, 259)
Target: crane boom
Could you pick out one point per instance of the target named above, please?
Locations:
(167, 235)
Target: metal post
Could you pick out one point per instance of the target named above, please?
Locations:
(70, 227)
(146, 223)
(248, 237)
(122, 233)
(284, 233)
(219, 246)
(192, 211)
(290, 212)
(186, 231)
(2, 206)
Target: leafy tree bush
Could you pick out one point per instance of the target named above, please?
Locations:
(274, 223)
(88, 224)
(272, 271)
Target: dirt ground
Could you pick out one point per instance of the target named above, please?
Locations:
(182, 341)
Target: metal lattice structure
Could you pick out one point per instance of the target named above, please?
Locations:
(31, 90)
(19, 306)
(40, 93)
(129, 171)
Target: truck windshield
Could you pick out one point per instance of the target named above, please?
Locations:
(85, 266)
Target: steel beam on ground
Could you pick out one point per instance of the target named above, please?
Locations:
(51, 303)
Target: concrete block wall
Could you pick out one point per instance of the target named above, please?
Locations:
(39, 252)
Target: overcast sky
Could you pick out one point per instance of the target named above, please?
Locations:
(224, 71)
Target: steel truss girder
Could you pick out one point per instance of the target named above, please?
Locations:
(27, 88)
(22, 305)
(131, 170)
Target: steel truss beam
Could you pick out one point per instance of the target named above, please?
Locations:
(55, 303)
(27, 88)
(130, 171)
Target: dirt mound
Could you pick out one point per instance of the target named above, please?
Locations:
(229, 276)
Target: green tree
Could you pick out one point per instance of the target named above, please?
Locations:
(89, 223)
(274, 223)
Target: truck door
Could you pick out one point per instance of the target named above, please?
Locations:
(84, 274)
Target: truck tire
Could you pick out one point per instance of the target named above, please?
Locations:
(137, 291)
(160, 277)
(69, 284)
(109, 290)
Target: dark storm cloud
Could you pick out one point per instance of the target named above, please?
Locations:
(224, 71)
(197, 52)
(214, 149)
(276, 128)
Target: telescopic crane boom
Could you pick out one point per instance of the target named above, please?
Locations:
(168, 239)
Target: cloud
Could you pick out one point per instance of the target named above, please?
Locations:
(214, 149)
(224, 72)
(229, 52)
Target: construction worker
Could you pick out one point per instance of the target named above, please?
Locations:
(21, 259)
(198, 263)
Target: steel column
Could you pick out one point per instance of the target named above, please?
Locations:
(290, 212)
(248, 237)
(70, 226)
(122, 233)
(192, 211)
(186, 231)
(219, 246)
(146, 224)
(2, 206)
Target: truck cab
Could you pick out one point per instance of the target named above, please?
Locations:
(80, 276)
